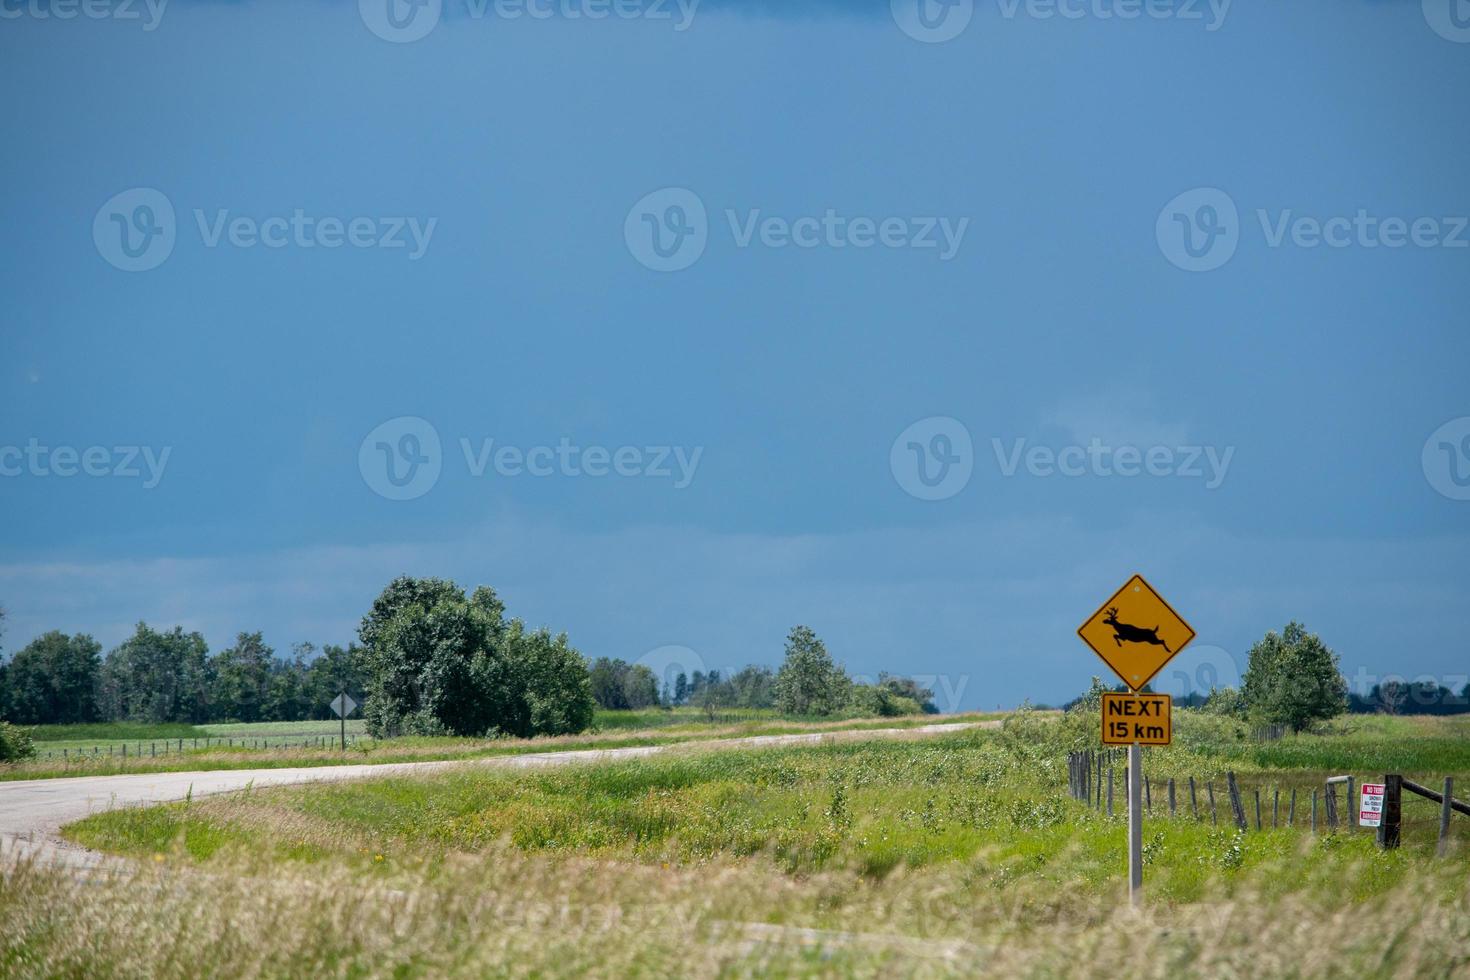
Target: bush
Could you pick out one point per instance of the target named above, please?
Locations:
(15, 743)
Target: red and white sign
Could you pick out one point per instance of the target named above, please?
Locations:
(1370, 810)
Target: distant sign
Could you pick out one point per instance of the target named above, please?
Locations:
(1370, 810)
(1136, 633)
(1141, 718)
(343, 705)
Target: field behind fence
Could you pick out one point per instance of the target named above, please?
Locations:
(1099, 778)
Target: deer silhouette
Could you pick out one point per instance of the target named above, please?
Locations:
(1133, 634)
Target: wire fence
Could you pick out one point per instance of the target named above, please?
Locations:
(1099, 778)
(144, 749)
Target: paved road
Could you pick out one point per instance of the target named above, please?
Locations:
(32, 812)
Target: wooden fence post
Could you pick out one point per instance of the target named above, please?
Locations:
(1148, 795)
(1352, 809)
(1237, 809)
(1214, 814)
(1393, 811)
(1330, 805)
(1291, 813)
(1258, 809)
(1276, 808)
(1443, 847)
(1193, 799)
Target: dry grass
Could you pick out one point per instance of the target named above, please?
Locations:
(502, 912)
(681, 866)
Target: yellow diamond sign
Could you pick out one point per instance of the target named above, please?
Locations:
(1136, 633)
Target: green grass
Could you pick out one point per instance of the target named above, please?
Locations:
(951, 854)
(104, 733)
(271, 746)
(869, 807)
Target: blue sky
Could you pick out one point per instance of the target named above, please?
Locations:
(1305, 401)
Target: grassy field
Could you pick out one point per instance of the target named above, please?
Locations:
(957, 854)
(98, 750)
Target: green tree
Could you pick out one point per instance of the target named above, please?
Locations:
(544, 688)
(809, 682)
(288, 687)
(53, 680)
(1293, 679)
(437, 661)
(753, 687)
(241, 680)
(156, 677)
(334, 670)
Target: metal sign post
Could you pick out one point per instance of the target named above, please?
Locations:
(343, 705)
(1135, 824)
(1119, 633)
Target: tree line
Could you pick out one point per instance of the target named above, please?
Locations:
(430, 659)
(168, 676)
(809, 683)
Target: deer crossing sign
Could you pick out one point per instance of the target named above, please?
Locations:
(1141, 718)
(1136, 633)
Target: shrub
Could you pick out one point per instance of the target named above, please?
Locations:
(15, 743)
